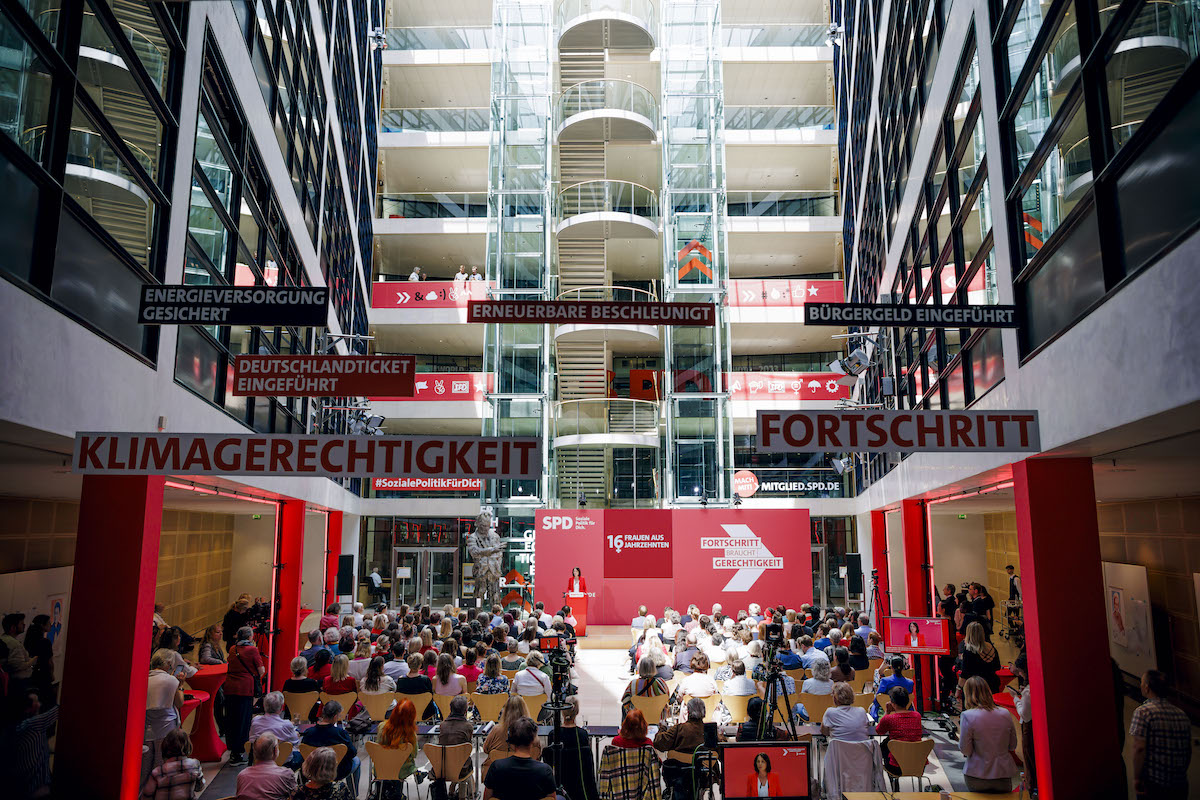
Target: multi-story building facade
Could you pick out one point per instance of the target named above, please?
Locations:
(634, 151)
(1040, 154)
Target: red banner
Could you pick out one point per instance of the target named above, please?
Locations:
(885, 431)
(322, 376)
(728, 556)
(426, 294)
(591, 312)
(446, 386)
(426, 484)
(785, 386)
(784, 293)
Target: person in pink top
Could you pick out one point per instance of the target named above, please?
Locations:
(470, 668)
(264, 780)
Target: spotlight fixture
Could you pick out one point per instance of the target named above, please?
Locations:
(378, 39)
(581, 500)
(840, 465)
(854, 364)
(835, 35)
(704, 500)
(737, 500)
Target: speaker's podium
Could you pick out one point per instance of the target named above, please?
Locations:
(578, 601)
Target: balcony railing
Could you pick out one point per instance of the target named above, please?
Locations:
(433, 206)
(799, 35)
(1077, 159)
(621, 294)
(606, 416)
(777, 118)
(1164, 19)
(568, 10)
(87, 148)
(435, 38)
(621, 197)
(789, 203)
(93, 35)
(435, 120)
(607, 94)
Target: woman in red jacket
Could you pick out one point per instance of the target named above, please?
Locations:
(245, 674)
(762, 776)
(576, 583)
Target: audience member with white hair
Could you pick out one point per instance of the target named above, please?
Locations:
(683, 658)
(264, 780)
(271, 721)
(820, 682)
(671, 626)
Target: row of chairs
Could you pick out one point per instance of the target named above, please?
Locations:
(377, 705)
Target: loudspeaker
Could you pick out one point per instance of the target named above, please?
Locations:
(345, 576)
(854, 576)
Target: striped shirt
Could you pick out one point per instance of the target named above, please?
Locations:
(1167, 732)
(32, 751)
(174, 779)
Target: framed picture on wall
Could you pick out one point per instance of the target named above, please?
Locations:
(1118, 631)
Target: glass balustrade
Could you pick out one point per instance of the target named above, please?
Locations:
(794, 203)
(778, 118)
(1160, 19)
(434, 120)
(607, 95)
(435, 38)
(87, 148)
(799, 35)
(606, 416)
(595, 196)
(621, 294)
(93, 35)
(433, 206)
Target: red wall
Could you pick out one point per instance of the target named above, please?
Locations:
(566, 539)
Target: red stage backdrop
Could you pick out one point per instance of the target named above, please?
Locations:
(663, 557)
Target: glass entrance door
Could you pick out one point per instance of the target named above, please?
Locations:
(424, 576)
(820, 576)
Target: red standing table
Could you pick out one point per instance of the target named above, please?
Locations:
(578, 601)
(206, 744)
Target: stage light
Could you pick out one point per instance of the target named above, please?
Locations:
(842, 464)
(737, 499)
(704, 500)
(854, 364)
(581, 500)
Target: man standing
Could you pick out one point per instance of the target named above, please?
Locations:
(461, 275)
(475, 276)
(18, 664)
(519, 776)
(1161, 743)
(1014, 584)
(415, 275)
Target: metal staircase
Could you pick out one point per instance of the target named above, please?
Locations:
(582, 370)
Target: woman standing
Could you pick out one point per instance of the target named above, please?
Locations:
(576, 583)
(762, 782)
(242, 685)
(39, 647)
(1020, 668)
(212, 649)
(236, 618)
(979, 659)
(578, 767)
(987, 738)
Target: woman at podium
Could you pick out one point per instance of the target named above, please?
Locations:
(576, 583)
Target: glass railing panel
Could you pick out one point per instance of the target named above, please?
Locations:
(615, 196)
(433, 206)
(794, 203)
(799, 35)
(570, 9)
(431, 38)
(434, 120)
(622, 294)
(773, 118)
(607, 94)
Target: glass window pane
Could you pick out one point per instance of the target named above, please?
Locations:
(206, 227)
(1061, 181)
(213, 162)
(18, 217)
(1071, 280)
(196, 362)
(987, 363)
(1055, 77)
(24, 91)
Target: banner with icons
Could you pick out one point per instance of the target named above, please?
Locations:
(447, 386)
(785, 385)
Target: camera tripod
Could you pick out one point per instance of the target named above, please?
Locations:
(560, 681)
(766, 720)
(873, 601)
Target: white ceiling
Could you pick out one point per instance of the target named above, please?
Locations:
(768, 83)
(787, 337)
(764, 255)
(440, 253)
(437, 86)
(765, 167)
(455, 13)
(455, 340)
(638, 163)
(749, 12)
(434, 169)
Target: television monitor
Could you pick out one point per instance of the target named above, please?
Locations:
(785, 765)
(925, 635)
(548, 643)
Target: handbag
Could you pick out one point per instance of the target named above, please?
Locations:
(258, 687)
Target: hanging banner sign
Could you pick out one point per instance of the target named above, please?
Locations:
(784, 292)
(426, 484)
(766, 386)
(593, 312)
(323, 376)
(445, 386)
(901, 316)
(233, 305)
(426, 294)
(871, 431)
(307, 456)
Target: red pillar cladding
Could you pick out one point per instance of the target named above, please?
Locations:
(1059, 544)
(915, 538)
(333, 549)
(107, 659)
(880, 565)
(291, 570)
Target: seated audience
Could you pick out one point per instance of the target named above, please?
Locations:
(321, 666)
(845, 721)
(532, 680)
(896, 678)
(858, 653)
(842, 671)
(683, 656)
(399, 729)
(375, 681)
(358, 665)
(698, 683)
(212, 649)
(327, 733)
(987, 737)
(315, 644)
(578, 769)
(454, 729)
(340, 681)
(264, 780)
(755, 728)
(633, 731)
(446, 680)
(300, 683)
(330, 618)
(271, 721)
(738, 685)
(178, 777)
(900, 722)
(492, 681)
(646, 684)
(875, 646)
(321, 781)
(520, 776)
(821, 682)
(397, 666)
(686, 736)
(164, 702)
(470, 670)
(496, 744)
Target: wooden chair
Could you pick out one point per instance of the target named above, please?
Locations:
(875, 664)
(652, 708)
(509, 673)
(421, 701)
(798, 674)
(672, 684)
(533, 704)
(710, 706)
(345, 699)
(339, 751)
(386, 762)
(720, 686)
(861, 679)
(489, 705)
(377, 705)
(446, 763)
(471, 686)
(300, 703)
(815, 704)
(793, 699)
(864, 701)
(912, 758)
(285, 752)
(442, 701)
(736, 706)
